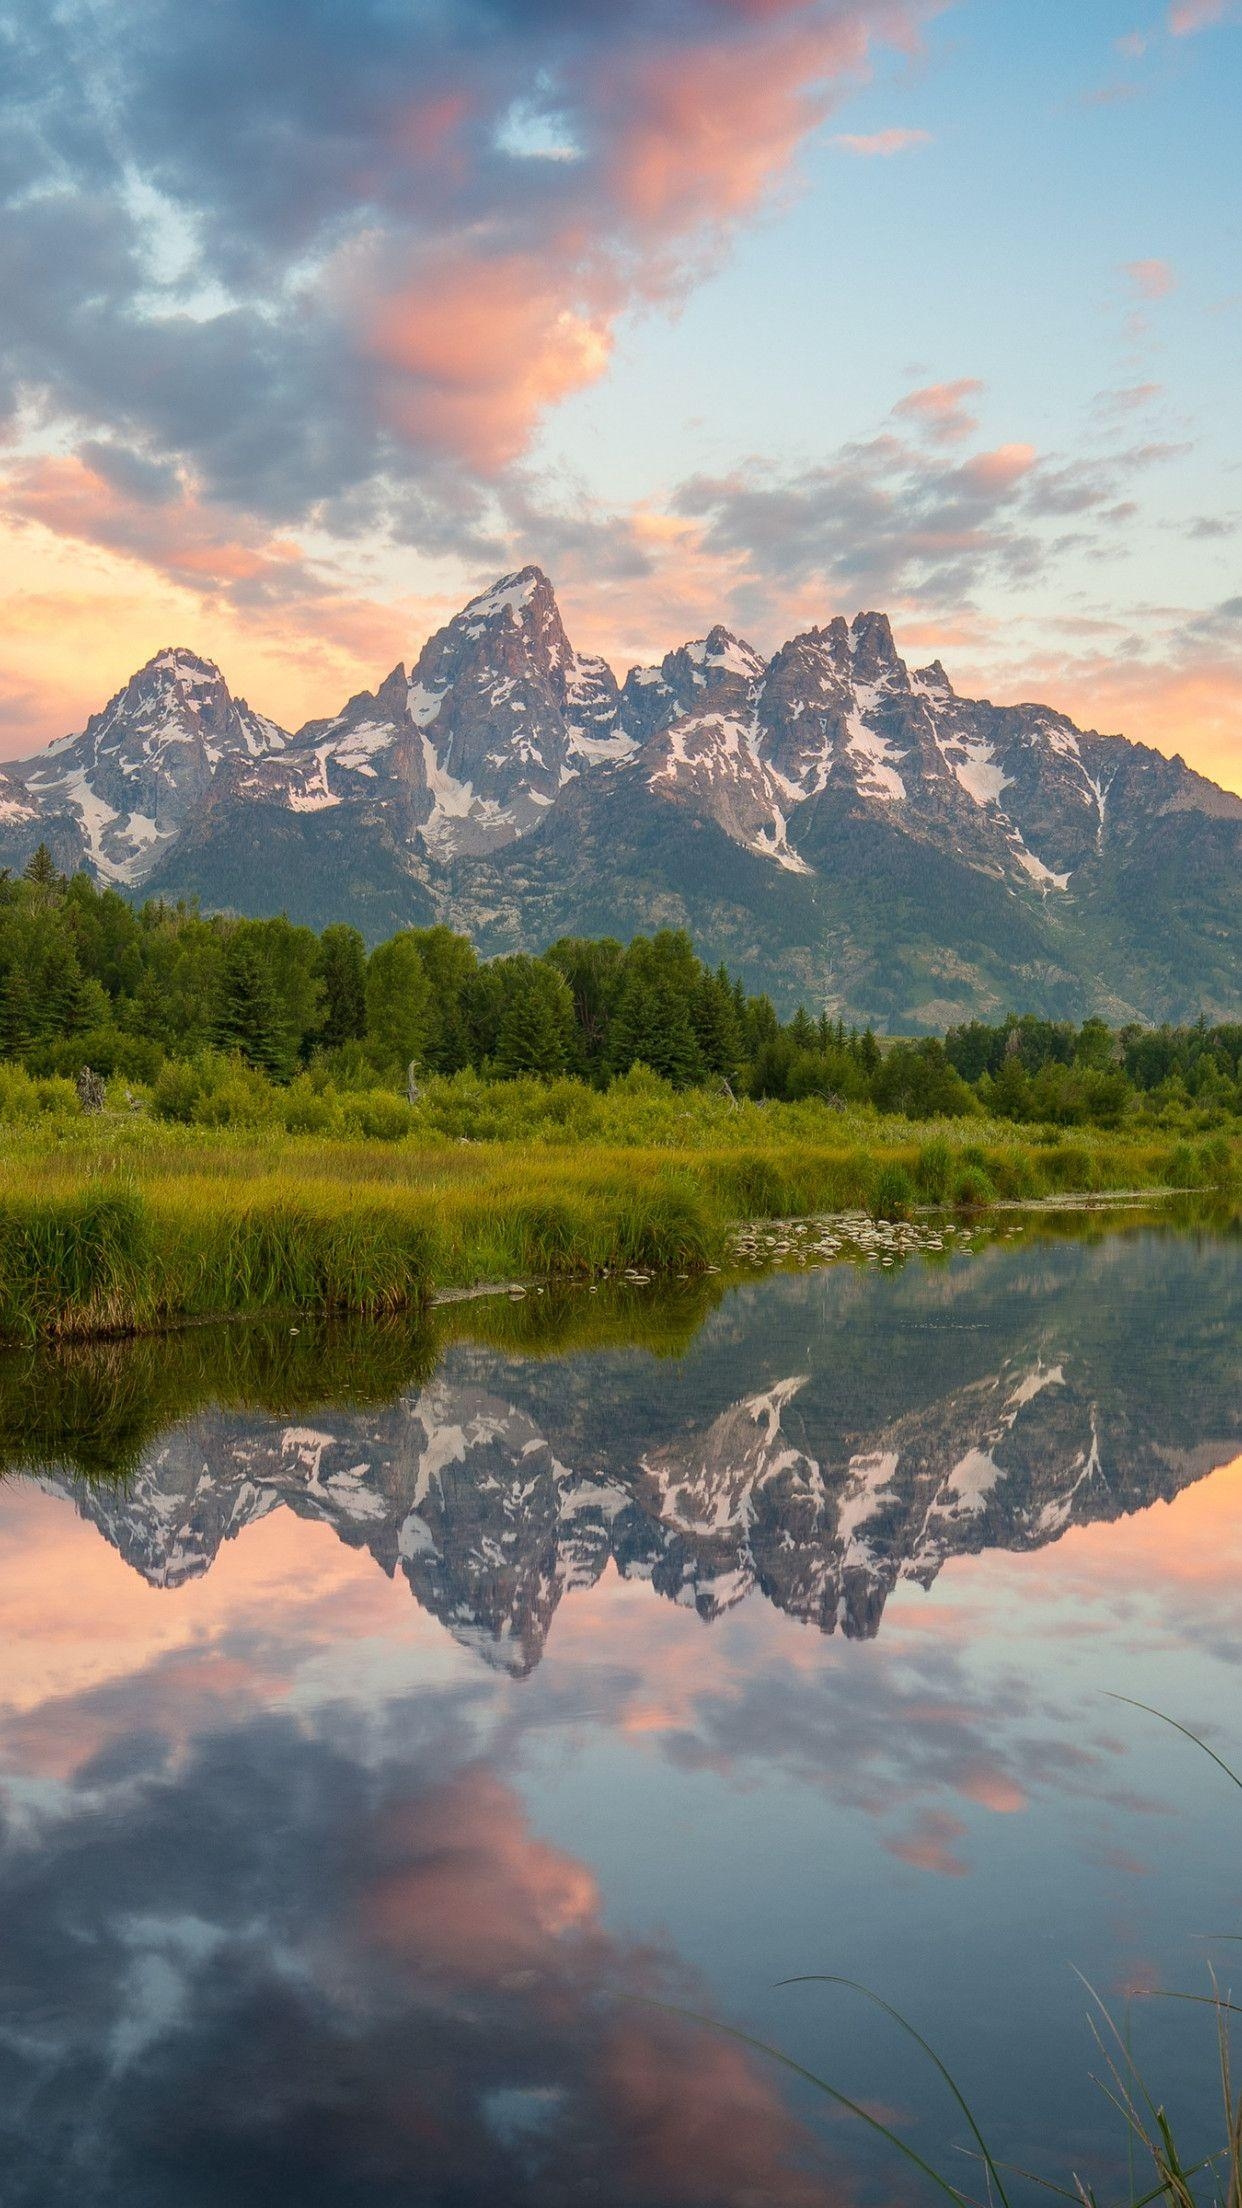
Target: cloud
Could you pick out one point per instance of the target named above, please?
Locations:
(940, 409)
(1188, 16)
(266, 1962)
(1129, 400)
(1152, 279)
(927, 1846)
(295, 254)
(882, 144)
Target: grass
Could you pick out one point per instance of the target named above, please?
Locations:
(123, 1223)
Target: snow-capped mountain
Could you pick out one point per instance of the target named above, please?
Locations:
(136, 774)
(843, 829)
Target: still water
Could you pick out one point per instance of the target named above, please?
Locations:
(399, 1732)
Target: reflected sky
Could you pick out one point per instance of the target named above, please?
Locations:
(311, 1891)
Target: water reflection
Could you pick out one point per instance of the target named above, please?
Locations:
(989, 1404)
(303, 1902)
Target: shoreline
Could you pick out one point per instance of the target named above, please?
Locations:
(745, 1247)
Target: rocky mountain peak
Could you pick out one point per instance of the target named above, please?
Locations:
(871, 648)
(130, 781)
(1011, 830)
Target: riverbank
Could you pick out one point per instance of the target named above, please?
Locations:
(121, 1226)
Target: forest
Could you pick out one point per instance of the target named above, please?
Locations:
(185, 1007)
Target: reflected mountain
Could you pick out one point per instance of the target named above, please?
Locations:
(824, 1436)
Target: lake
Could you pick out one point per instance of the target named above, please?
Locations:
(407, 1733)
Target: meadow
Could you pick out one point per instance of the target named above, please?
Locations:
(117, 1221)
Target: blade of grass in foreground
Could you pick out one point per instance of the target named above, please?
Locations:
(1178, 1727)
(821, 2085)
(825, 1978)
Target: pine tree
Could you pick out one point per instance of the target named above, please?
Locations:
(40, 868)
(17, 1020)
(537, 1025)
(342, 967)
(398, 999)
(249, 1017)
(716, 1027)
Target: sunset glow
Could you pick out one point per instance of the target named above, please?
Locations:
(287, 394)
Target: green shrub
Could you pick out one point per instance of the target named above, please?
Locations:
(932, 1170)
(893, 1195)
(178, 1093)
(972, 1188)
(310, 1110)
(377, 1114)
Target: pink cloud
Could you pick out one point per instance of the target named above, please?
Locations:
(997, 471)
(927, 1847)
(940, 409)
(1152, 279)
(882, 144)
(469, 350)
(1189, 16)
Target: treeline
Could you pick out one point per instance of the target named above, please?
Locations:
(147, 994)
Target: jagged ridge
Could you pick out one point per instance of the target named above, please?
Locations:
(1015, 852)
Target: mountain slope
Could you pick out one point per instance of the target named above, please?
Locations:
(839, 828)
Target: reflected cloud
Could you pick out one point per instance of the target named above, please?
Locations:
(269, 1968)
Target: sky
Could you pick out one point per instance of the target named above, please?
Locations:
(315, 315)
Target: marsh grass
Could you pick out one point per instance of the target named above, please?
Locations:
(122, 1224)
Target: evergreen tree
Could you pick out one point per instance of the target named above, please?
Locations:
(536, 1029)
(17, 1020)
(450, 965)
(40, 868)
(716, 1026)
(341, 968)
(250, 1017)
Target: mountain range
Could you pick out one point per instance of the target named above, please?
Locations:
(843, 830)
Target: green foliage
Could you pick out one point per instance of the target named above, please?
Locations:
(250, 1018)
(398, 1002)
(893, 1196)
(340, 969)
(86, 979)
(535, 1033)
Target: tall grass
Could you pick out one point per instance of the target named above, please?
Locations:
(122, 1223)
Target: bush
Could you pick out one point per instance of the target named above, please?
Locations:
(932, 1169)
(310, 1110)
(972, 1188)
(178, 1093)
(22, 1098)
(893, 1194)
(377, 1114)
(242, 1098)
